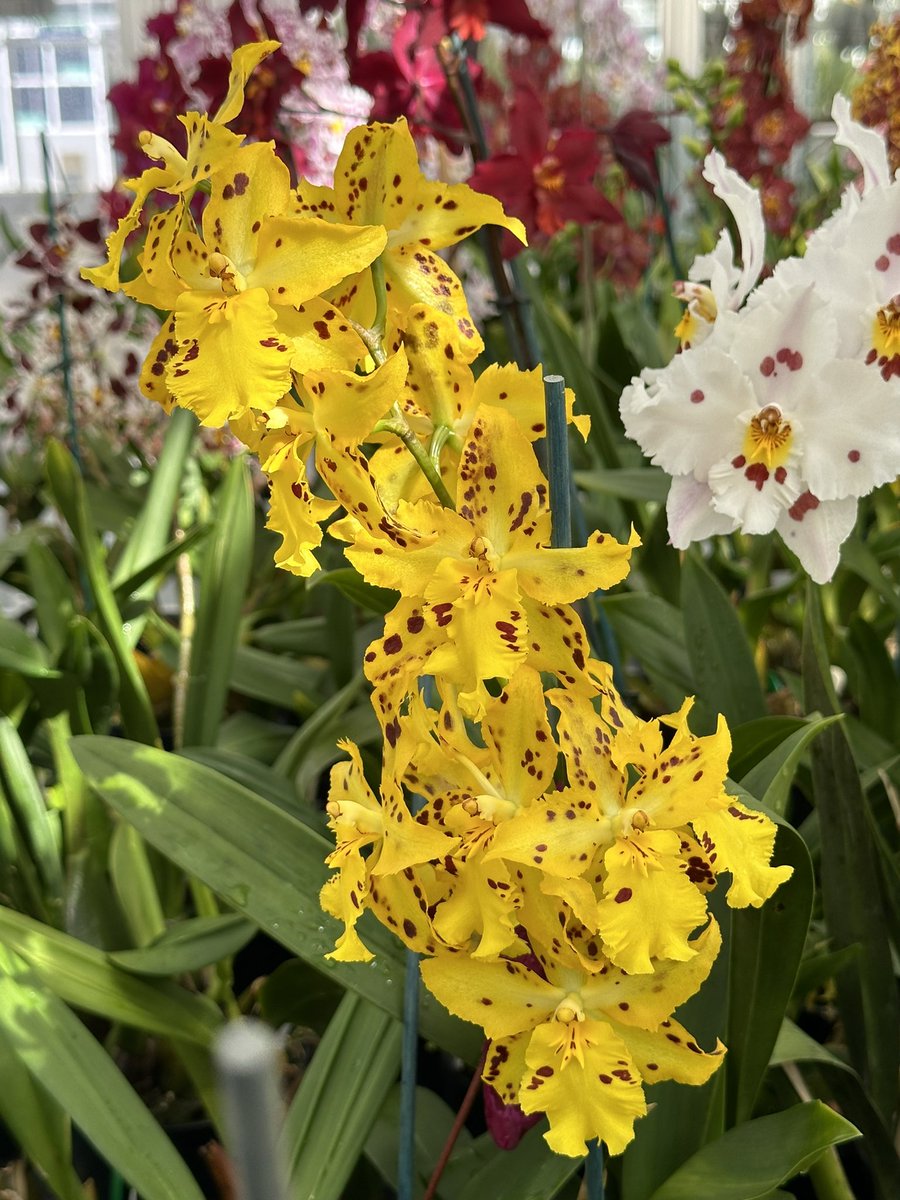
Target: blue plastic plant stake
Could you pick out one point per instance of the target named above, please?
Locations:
(406, 1159)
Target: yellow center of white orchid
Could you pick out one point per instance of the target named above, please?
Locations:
(222, 268)
(886, 333)
(700, 312)
(768, 438)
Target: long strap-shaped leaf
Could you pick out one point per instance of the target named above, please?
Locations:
(340, 1098)
(83, 976)
(73, 1067)
(747, 1163)
(851, 895)
(228, 557)
(68, 492)
(261, 860)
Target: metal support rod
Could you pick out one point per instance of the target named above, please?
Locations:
(246, 1056)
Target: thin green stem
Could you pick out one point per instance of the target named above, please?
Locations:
(439, 439)
(379, 284)
(399, 426)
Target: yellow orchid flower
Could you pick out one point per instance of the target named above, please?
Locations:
(360, 820)
(228, 285)
(377, 181)
(484, 572)
(578, 1046)
(443, 395)
(209, 147)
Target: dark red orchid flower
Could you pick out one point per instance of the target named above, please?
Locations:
(409, 80)
(546, 180)
(635, 139)
(506, 1123)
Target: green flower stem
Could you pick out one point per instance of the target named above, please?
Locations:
(442, 436)
(827, 1176)
(398, 425)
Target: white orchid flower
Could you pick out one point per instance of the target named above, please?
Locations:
(715, 283)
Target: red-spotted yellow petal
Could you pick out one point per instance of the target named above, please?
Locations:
(230, 356)
(521, 393)
(296, 514)
(505, 1065)
(321, 337)
(298, 258)
(669, 1053)
(650, 907)
(558, 833)
(648, 1000)
(557, 576)
(482, 904)
(503, 997)
(336, 899)
(347, 406)
(255, 186)
(517, 734)
(153, 373)
(107, 275)
(742, 841)
(581, 1075)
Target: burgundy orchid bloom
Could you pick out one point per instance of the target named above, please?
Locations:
(547, 181)
(635, 139)
(506, 1123)
(409, 80)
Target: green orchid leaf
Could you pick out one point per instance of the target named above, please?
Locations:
(349, 581)
(766, 947)
(748, 1162)
(22, 653)
(38, 825)
(68, 492)
(771, 779)
(793, 1045)
(84, 977)
(532, 1172)
(339, 1098)
(854, 904)
(37, 1123)
(71, 1065)
(188, 946)
(227, 562)
(259, 859)
(285, 682)
(51, 589)
(717, 645)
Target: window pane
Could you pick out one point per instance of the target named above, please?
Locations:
(75, 104)
(25, 58)
(73, 60)
(28, 103)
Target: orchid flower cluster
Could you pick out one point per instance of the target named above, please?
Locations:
(783, 408)
(555, 873)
